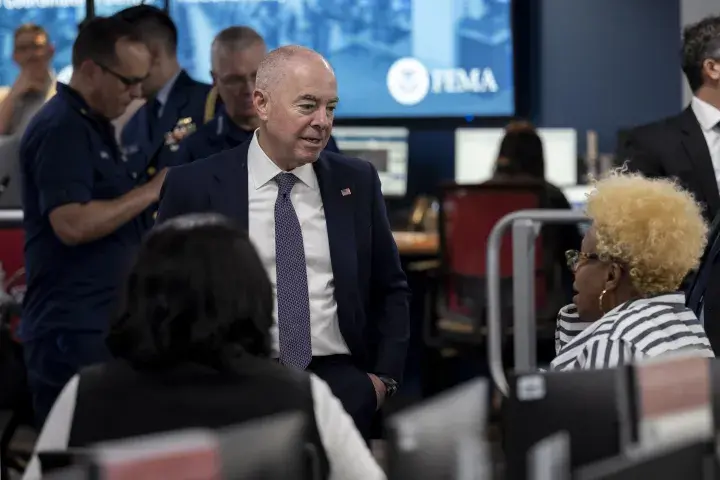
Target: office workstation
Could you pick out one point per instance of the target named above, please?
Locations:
(447, 102)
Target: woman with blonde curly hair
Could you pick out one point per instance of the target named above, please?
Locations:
(646, 236)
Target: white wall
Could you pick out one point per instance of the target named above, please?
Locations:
(692, 11)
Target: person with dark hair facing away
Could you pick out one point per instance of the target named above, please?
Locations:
(192, 347)
(175, 103)
(236, 54)
(81, 208)
(521, 159)
(687, 147)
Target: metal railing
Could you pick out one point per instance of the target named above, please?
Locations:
(525, 229)
(10, 217)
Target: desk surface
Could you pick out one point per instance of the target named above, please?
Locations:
(417, 243)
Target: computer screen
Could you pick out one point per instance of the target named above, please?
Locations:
(684, 460)
(549, 459)
(443, 437)
(582, 403)
(392, 58)
(60, 18)
(476, 150)
(385, 148)
(577, 195)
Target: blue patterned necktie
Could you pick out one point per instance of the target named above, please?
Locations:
(293, 300)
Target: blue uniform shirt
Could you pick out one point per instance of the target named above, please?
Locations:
(69, 155)
(217, 135)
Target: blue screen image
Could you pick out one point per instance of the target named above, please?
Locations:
(392, 58)
(60, 18)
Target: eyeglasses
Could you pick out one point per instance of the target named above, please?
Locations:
(573, 258)
(127, 81)
(235, 81)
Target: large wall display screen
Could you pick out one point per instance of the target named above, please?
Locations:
(393, 58)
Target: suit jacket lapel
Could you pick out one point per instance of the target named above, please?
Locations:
(697, 150)
(338, 203)
(231, 180)
(176, 101)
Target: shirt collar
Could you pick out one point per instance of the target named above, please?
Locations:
(262, 170)
(77, 102)
(164, 93)
(707, 116)
(227, 127)
(73, 98)
(673, 298)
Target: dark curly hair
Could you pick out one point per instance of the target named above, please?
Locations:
(701, 41)
(197, 293)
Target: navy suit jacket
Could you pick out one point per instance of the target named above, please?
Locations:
(187, 99)
(370, 286)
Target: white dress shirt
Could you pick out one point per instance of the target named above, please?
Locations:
(307, 201)
(164, 93)
(347, 453)
(709, 119)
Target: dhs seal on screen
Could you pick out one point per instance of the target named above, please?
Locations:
(409, 81)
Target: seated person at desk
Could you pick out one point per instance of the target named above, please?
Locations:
(646, 235)
(192, 349)
(521, 159)
(236, 55)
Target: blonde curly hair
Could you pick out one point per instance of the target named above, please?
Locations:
(653, 226)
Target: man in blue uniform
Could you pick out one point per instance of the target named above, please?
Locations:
(175, 104)
(82, 203)
(236, 55)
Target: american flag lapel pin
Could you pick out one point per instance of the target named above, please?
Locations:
(345, 192)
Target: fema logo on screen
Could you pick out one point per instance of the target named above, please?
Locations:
(408, 81)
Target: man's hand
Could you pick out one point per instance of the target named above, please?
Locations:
(380, 389)
(156, 183)
(26, 83)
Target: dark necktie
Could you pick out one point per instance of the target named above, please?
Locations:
(293, 300)
(153, 117)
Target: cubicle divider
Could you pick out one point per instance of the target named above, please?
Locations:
(12, 240)
(525, 229)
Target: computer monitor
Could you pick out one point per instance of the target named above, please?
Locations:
(269, 448)
(476, 150)
(583, 403)
(76, 472)
(442, 438)
(577, 195)
(549, 459)
(272, 448)
(385, 147)
(689, 460)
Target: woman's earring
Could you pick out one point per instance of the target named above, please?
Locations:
(602, 310)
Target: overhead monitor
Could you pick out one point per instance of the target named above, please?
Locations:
(60, 18)
(385, 147)
(392, 58)
(476, 150)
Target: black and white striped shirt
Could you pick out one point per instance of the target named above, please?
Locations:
(647, 327)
